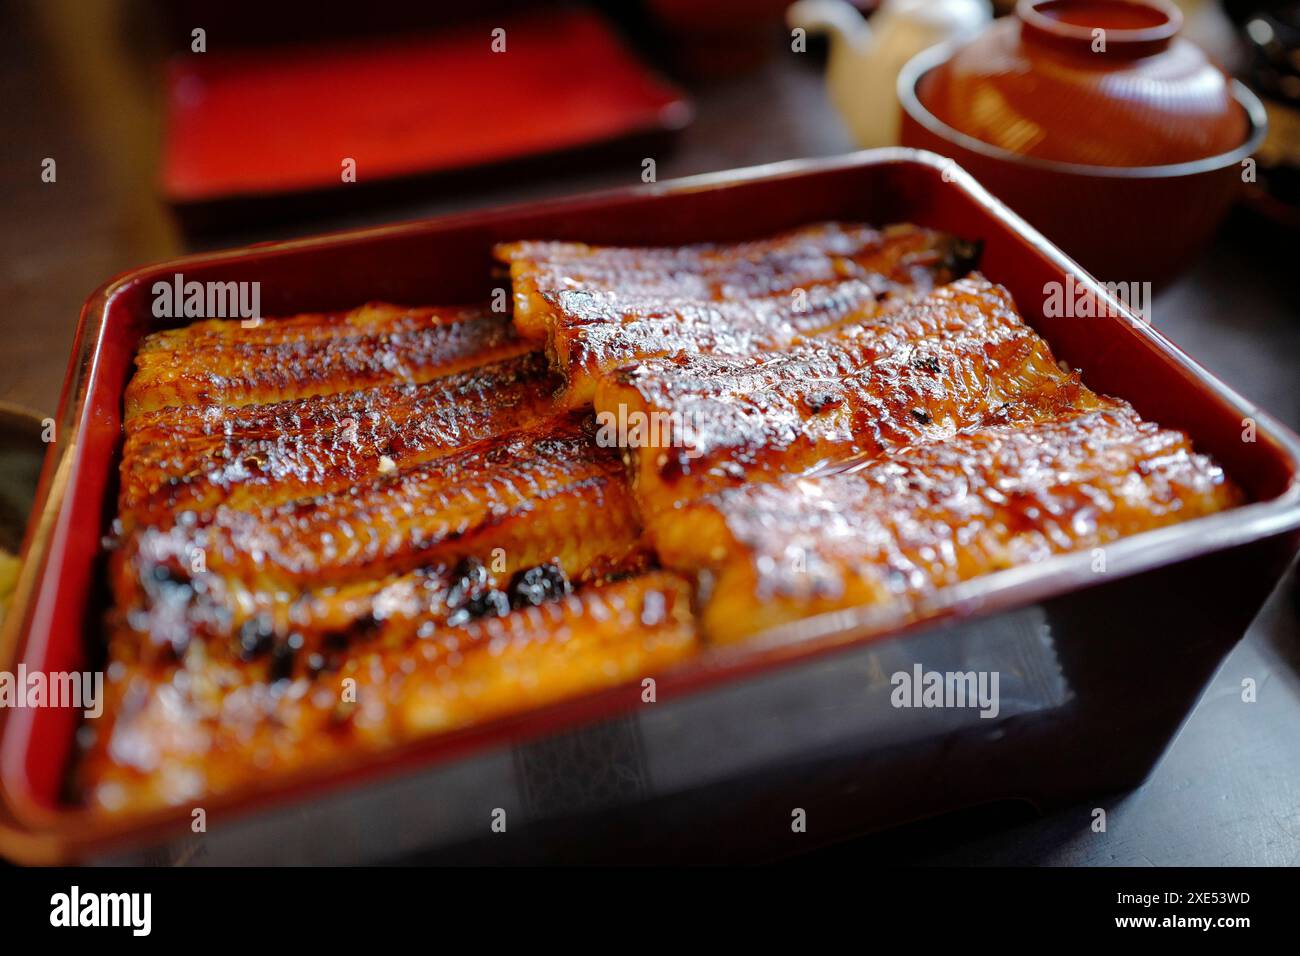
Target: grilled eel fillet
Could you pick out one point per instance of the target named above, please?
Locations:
(302, 501)
(901, 526)
(959, 357)
(379, 559)
(940, 405)
(601, 307)
(236, 520)
(256, 456)
(173, 733)
(229, 363)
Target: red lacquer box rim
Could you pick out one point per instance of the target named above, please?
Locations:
(31, 830)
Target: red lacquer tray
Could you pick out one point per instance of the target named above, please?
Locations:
(258, 122)
(1098, 669)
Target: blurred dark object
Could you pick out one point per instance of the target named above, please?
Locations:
(1119, 178)
(720, 37)
(22, 452)
(1272, 32)
(263, 132)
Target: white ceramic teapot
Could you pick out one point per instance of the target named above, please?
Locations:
(865, 60)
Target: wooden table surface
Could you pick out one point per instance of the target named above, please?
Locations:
(1227, 790)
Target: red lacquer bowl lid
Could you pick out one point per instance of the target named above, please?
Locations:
(1091, 82)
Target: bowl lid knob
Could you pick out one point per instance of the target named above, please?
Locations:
(1120, 28)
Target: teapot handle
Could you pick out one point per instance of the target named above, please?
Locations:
(836, 17)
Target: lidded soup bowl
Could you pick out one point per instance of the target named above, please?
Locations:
(1117, 138)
